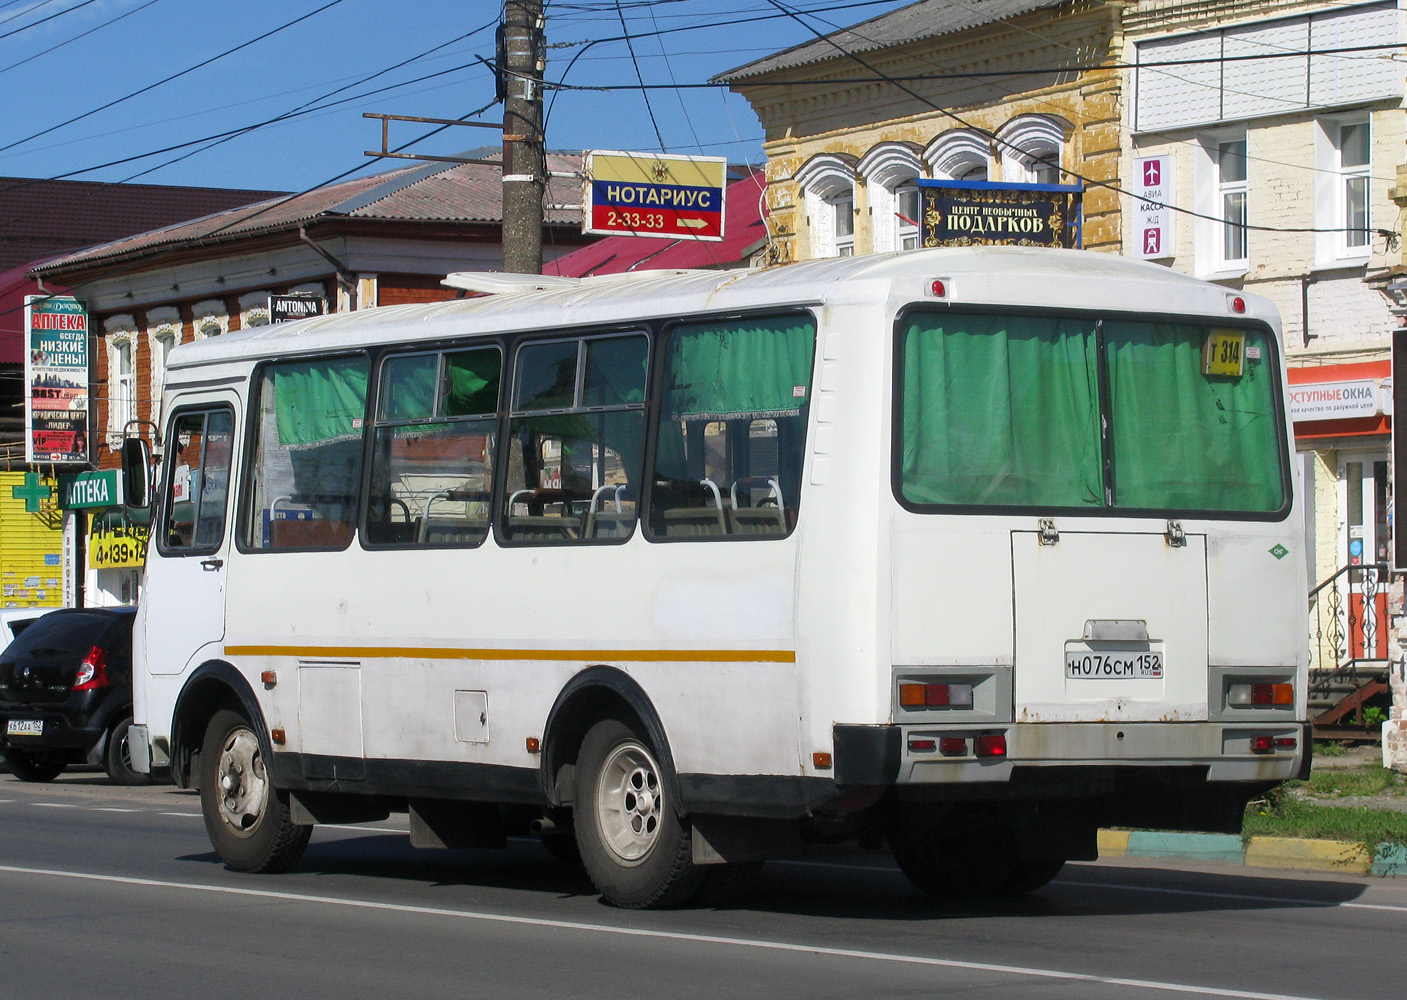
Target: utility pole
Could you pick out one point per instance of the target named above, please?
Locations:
(522, 56)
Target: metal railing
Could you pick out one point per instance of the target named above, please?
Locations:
(1348, 641)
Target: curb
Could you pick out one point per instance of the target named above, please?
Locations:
(1261, 851)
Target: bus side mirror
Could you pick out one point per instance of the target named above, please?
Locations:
(136, 473)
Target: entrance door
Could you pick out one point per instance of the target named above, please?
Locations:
(1364, 540)
(190, 542)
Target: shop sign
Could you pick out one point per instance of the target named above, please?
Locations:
(90, 489)
(978, 213)
(288, 307)
(1334, 400)
(1152, 218)
(56, 374)
(116, 543)
(650, 194)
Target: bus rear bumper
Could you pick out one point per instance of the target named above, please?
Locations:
(957, 756)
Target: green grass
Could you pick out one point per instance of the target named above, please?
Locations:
(1289, 817)
(1341, 782)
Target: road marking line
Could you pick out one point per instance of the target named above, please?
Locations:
(54, 805)
(113, 809)
(182, 815)
(363, 829)
(637, 932)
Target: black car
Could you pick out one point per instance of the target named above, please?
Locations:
(66, 694)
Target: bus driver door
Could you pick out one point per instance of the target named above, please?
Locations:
(191, 539)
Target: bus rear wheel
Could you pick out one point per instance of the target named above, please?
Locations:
(636, 849)
(247, 819)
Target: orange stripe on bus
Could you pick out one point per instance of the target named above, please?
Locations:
(597, 655)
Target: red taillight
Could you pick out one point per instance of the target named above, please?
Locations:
(92, 672)
(939, 289)
(990, 746)
(1262, 744)
(918, 695)
(1238, 304)
(922, 744)
(952, 746)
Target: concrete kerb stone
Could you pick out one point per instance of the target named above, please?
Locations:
(1265, 852)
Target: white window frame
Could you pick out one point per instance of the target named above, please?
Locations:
(1032, 147)
(120, 338)
(828, 183)
(960, 154)
(889, 169)
(1211, 191)
(1334, 245)
(163, 334)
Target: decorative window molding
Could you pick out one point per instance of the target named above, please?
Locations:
(1343, 190)
(120, 344)
(254, 309)
(960, 154)
(210, 319)
(1031, 148)
(890, 170)
(827, 181)
(163, 333)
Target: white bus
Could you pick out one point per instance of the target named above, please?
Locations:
(969, 551)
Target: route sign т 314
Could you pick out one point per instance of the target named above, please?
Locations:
(648, 194)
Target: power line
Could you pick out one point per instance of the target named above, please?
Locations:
(638, 76)
(74, 38)
(43, 20)
(174, 76)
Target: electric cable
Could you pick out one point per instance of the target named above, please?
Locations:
(630, 46)
(74, 38)
(44, 20)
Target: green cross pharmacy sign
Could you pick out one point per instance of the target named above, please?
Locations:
(33, 492)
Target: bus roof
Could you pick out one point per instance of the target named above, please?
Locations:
(1016, 276)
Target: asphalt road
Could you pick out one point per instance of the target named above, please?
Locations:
(112, 893)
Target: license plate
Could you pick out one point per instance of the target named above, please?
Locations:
(1121, 665)
(25, 727)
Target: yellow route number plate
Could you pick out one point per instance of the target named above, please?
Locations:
(1225, 353)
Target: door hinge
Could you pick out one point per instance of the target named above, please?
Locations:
(1175, 536)
(1049, 534)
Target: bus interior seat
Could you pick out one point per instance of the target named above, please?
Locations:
(442, 530)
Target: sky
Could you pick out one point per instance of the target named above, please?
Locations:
(239, 63)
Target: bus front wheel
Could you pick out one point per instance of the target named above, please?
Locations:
(248, 820)
(636, 849)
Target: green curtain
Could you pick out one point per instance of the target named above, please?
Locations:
(472, 378)
(1186, 440)
(749, 368)
(1000, 410)
(319, 401)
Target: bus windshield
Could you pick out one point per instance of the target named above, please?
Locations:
(1005, 411)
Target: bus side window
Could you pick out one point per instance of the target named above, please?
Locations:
(197, 489)
(305, 466)
(577, 433)
(732, 428)
(433, 446)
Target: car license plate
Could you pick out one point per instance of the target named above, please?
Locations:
(25, 727)
(1086, 664)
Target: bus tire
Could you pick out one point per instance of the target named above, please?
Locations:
(247, 819)
(953, 866)
(117, 760)
(1030, 876)
(637, 851)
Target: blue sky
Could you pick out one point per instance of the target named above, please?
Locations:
(136, 43)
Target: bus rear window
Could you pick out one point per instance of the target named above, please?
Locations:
(1005, 411)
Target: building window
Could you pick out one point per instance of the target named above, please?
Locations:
(1353, 155)
(163, 334)
(210, 319)
(253, 310)
(907, 214)
(1231, 200)
(843, 208)
(1031, 146)
(120, 339)
(827, 183)
(890, 171)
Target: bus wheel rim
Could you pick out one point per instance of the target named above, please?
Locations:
(242, 784)
(630, 803)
